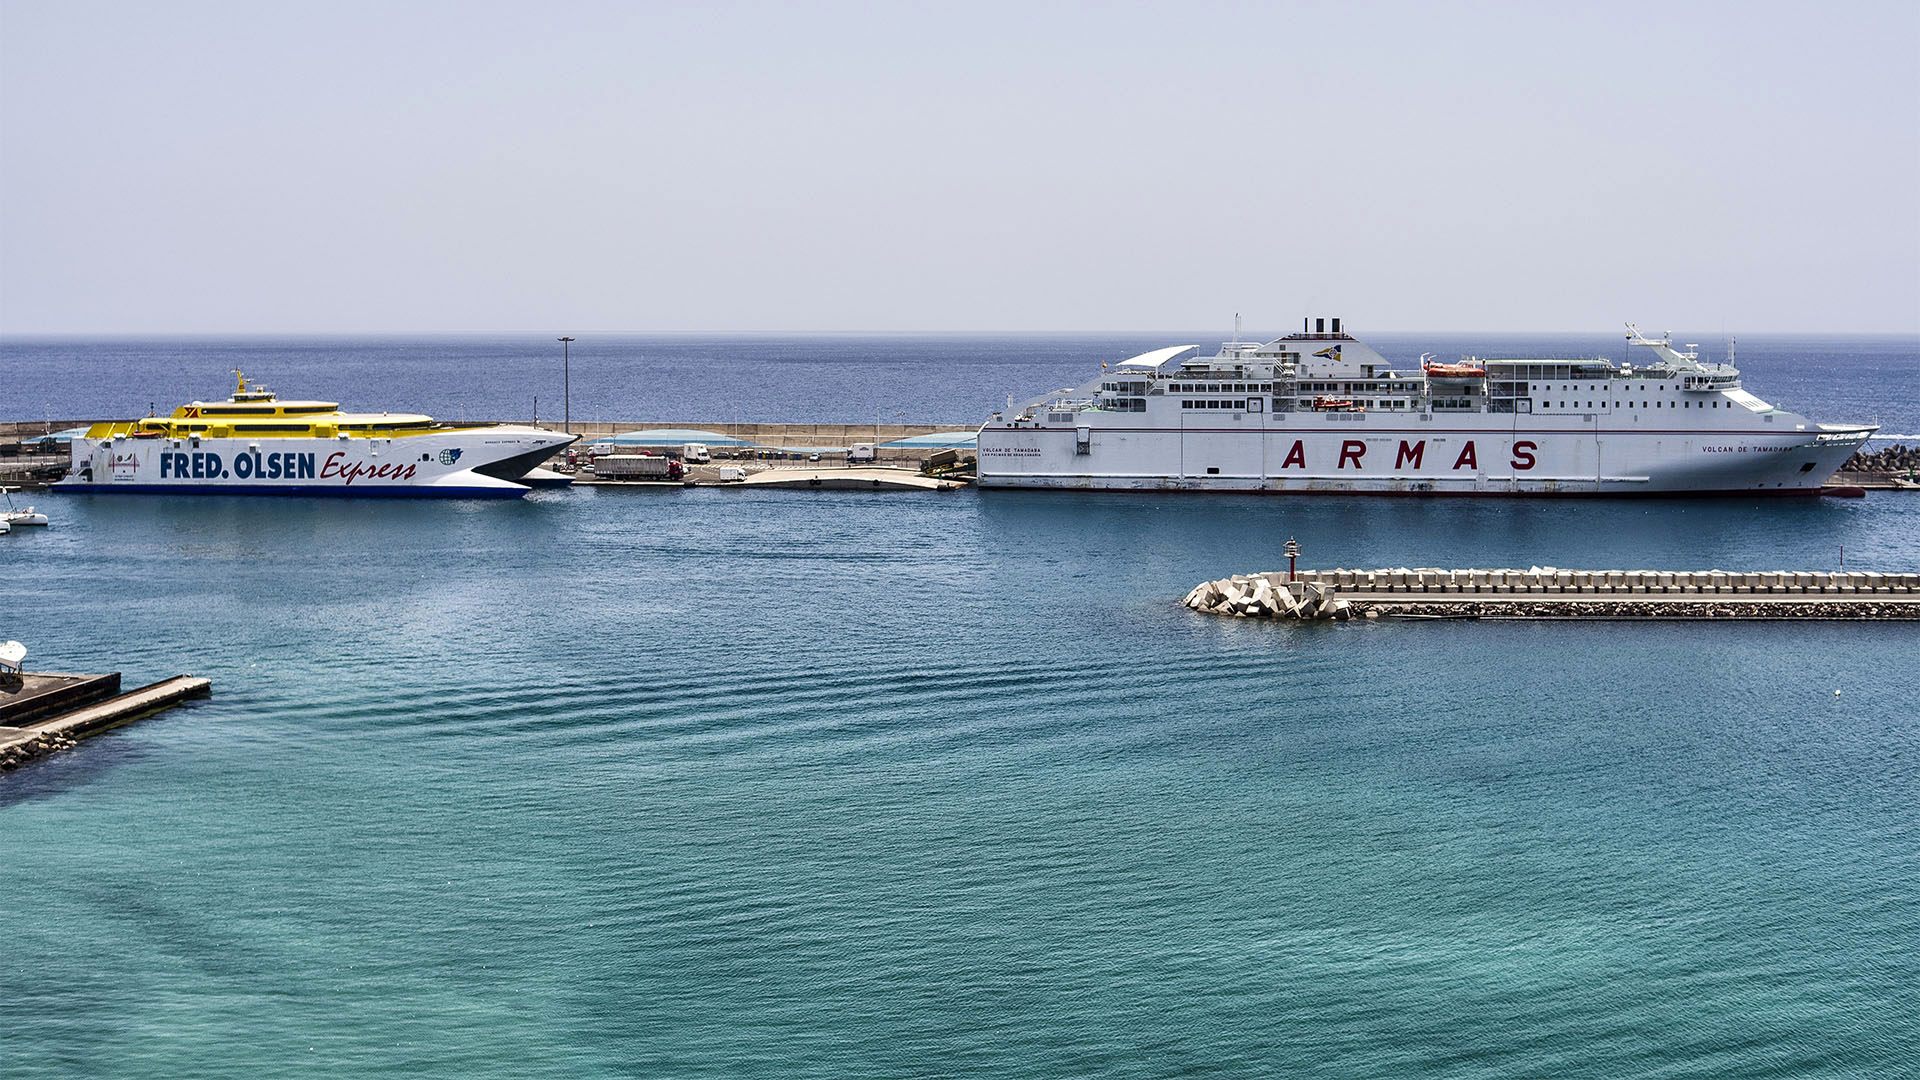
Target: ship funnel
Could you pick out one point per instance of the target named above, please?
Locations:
(1336, 326)
(1319, 326)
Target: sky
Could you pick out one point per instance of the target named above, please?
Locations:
(584, 167)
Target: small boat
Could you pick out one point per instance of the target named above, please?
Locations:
(15, 516)
(1453, 371)
(1334, 404)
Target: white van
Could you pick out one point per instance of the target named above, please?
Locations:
(860, 453)
(695, 453)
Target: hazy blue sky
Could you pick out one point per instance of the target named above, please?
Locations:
(580, 167)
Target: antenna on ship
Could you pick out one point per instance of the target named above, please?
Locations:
(1236, 328)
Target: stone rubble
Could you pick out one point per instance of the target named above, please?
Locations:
(20, 753)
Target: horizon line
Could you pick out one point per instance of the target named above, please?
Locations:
(1124, 332)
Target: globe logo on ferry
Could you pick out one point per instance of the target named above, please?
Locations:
(449, 456)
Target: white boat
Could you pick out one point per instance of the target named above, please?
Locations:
(12, 515)
(255, 444)
(1319, 411)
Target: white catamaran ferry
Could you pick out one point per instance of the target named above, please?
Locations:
(255, 444)
(1318, 411)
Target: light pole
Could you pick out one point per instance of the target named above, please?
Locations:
(566, 384)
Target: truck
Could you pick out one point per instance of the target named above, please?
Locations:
(695, 453)
(637, 467)
(861, 453)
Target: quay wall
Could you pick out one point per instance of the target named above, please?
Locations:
(49, 735)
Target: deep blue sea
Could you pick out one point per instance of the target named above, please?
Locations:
(893, 378)
(708, 783)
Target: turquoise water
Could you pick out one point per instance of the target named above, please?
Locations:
(710, 784)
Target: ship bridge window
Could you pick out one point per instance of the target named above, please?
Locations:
(300, 428)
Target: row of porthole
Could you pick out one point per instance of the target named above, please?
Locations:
(1603, 405)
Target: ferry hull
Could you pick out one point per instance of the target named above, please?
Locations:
(1321, 412)
(1403, 461)
(455, 464)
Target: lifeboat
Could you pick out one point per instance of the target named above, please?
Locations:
(1454, 371)
(1333, 404)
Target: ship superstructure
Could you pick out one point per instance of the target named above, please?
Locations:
(254, 443)
(1319, 411)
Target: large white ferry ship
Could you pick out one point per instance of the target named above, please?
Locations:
(255, 444)
(1319, 411)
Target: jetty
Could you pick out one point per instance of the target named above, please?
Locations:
(45, 712)
(1545, 592)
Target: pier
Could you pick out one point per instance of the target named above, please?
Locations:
(1552, 593)
(45, 712)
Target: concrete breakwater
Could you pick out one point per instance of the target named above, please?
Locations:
(1898, 458)
(1550, 592)
(44, 713)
